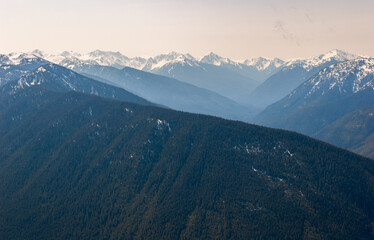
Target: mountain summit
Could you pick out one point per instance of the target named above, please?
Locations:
(332, 56)
(331, 95)
(216, 60)
(169, 60)
(292, 74)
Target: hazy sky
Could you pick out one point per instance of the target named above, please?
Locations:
(237, 29)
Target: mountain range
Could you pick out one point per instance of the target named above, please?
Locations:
(14, 65)
(232, 79)
(225, 87)
(256, 82)
(292, 74)
(255, 68)
(167, 91)
(57, 78)
(155, 88)
(92, 151)
(326, 104)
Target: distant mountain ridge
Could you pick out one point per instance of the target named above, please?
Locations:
(212, 72)
(256, 68)
(83, 158)
(14, 65)
(294, 73)
(97, 57)
(167, 91)
(253, 82)
(234, 80)
(158, 89)
(333, 93)
(334, 55)
(118, 60)
(57, 78)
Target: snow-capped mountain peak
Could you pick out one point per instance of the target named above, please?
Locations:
(106, 58)
(332, 56)
(70, 54)
(261, 63)
(174, 56)
(17, 58)
(338, 55)
(97, 57)
(216, 60)
(346, 77)
(100, 53)
(38, 53)
(169, 59)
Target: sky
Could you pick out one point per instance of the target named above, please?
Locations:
(238, 29)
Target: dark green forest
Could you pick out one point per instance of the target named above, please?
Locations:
(76, 166)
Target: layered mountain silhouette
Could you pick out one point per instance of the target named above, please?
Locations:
(57, 78)
(232, 79)
(155, 88)
(332, 96)
(294, 73)
(257, 69)
(167, 91)
(13, 66)
(309, 115)
(224, 77)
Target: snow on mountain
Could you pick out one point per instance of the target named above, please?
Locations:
(136, 62)
(46, 74)
(331, 56)
(293, 74)
(216, 60)
(337, 82)
(118, 60)
(97, 57)
(165, 60)
(18, 58)
(348, 77)
(258, 69)
(212, 72)
(328, 106)
(29, 79)
(14, 65)
(57, 78)
(55, 58)
(262, 64)
(114, 59)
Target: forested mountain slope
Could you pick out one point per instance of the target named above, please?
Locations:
(75, 166)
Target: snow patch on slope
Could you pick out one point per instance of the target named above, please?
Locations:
(350, 76)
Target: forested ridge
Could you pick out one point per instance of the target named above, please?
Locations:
(75, 166)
